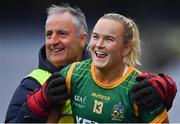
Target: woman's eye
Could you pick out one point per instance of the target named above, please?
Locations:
(109, 39)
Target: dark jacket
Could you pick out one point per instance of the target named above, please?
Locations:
(18, 110)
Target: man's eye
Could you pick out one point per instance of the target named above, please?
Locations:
(48, 34)
(63, 33)
(94, 36)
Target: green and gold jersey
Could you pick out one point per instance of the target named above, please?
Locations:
(95, 102)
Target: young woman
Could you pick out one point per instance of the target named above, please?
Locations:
(100, 88)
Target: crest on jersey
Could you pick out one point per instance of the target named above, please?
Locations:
(118, 112)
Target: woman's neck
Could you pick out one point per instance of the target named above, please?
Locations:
(111, 75)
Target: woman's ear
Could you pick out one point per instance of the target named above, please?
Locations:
(127, 49)
(83, 39)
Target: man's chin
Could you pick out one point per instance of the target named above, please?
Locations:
(57, 61)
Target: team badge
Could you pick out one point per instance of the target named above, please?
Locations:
(118, 112)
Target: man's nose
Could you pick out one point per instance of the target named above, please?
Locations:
(55, 38)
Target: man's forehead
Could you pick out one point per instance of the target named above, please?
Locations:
(61, 17)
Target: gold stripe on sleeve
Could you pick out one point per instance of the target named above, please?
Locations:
(136, 109)
(68, 77)
(160, 118)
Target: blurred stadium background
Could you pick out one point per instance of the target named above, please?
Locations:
(22, 34)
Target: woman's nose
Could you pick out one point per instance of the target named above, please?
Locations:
(100, 43)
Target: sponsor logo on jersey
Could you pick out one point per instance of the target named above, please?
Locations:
(118, 112)
(79, 101)
(84, 121)
(99, 96)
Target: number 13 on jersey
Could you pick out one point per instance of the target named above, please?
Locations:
(98, 106)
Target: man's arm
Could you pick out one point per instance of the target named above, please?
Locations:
(53, 117)
(18, 110)
(33, 103)
(52, 94)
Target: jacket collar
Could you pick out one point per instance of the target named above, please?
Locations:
(44, 63)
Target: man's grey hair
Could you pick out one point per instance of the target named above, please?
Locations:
(80, 19)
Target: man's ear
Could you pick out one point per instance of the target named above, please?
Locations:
(83, 39)
(127, 49)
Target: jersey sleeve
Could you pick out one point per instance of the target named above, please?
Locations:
(64, 73)
(157, 115)
(67, 74)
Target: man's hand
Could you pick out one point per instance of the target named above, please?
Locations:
(151, 90)
(52, 93)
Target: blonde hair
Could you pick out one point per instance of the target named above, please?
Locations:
(131, 35)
